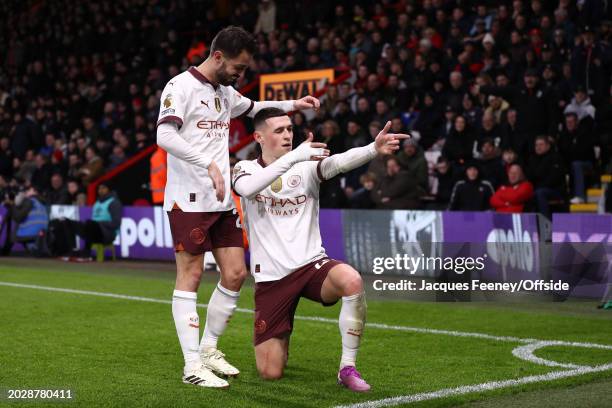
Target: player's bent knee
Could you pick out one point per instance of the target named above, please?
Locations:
(269, 368)
(353, 285)
(271, 372)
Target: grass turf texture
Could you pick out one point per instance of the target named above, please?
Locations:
(117, 352)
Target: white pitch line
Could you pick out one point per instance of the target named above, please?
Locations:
(525, 352)
(323, 319)
(467, 389)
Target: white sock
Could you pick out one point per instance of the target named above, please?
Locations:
(351, 322)
(220, 309)
(187, 325)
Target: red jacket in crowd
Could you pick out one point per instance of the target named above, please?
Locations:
(512, 199)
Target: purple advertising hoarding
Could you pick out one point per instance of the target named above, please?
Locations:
(145, 233)
(582, 251)
(509, 242)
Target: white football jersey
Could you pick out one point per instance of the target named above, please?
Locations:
(282, 221)
(203, 114)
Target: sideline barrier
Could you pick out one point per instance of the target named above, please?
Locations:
(511, 247)
(582, 252)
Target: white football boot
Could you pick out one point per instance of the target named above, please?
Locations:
(203, 377)
(214, 360)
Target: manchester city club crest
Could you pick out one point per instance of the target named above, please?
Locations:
(294, 181)
(218, 104)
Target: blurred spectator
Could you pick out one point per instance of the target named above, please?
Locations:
(117, 157)
(577, 145)
(362, 197)
(104, 223)
(590, 61)
(30, 215)
(460, 142)
(41, 176)
(412, 160)
(546, 172)
(93, 167)
(489, 130)
(58, 193)
(512, 137)
(512, 197)
(76, 194)
(266, 20)
(396, 189)
(490, 163)
(581, 105)
(533, 105)
(497, 108)
(428, 121)
(444, 182)
(472, 193)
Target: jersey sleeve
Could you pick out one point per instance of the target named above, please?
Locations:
(172, 104)
(241, 105)
(312, 174)
(242, 169)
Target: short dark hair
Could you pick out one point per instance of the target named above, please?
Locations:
(265, 114)
(572, 114)
(232, 41)
(487, 140)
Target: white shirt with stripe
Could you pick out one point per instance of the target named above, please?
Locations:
(282, 220)
(202, 112)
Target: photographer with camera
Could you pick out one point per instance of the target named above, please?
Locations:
(28, 211)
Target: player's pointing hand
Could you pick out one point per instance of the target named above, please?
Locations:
(307, 102)
(387, 143)
(217, 179)
(310, 150)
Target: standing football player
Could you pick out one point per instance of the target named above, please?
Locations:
(193, 127)
(280, 200)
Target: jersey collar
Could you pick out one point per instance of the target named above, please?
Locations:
(200, 77)
(260, 161)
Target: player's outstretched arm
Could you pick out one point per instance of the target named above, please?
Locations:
(169, 139)
(249, 184)
(385, 143)
(307, 102)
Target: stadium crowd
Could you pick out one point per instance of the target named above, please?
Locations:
(508, 102)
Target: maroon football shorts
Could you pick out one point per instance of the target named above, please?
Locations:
(276, 301)
(199, 232)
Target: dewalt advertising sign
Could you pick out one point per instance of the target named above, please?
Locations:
(293, 85)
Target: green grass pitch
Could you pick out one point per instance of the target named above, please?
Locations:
(119, 352)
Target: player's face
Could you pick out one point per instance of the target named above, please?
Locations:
(276, 137)
(230, 69)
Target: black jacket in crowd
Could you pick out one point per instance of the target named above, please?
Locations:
(471, 195)
(578, 145)
(534, 108)
(547, 171)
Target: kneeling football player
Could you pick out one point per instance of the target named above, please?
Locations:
(280, 201)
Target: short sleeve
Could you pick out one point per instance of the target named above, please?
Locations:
(172, 105)
(241, 105)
